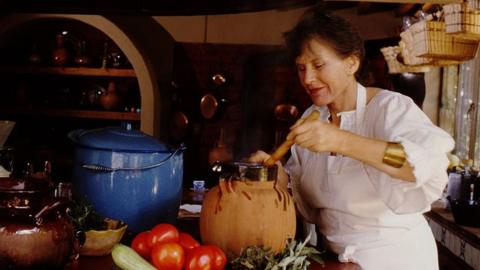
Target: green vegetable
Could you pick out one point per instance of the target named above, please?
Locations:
(253, 257)
(84, 216)
(127, 259)
(293, 257)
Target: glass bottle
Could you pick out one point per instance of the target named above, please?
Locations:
(81, 58)
(60, 53)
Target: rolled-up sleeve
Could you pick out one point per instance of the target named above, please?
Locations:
(398, 119)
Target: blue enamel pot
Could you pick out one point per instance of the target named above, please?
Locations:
(128, 175)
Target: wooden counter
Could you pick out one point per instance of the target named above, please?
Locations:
(190, 224)
(105, 263)
(458, 246)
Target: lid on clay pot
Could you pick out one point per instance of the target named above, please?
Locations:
(23, 184)
(244, 171)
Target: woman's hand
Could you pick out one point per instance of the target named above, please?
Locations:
(258, 157)
(261, 157)
(318, 136)
(321, 136)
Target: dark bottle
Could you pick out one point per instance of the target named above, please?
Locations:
(60, 53)
(467, 180)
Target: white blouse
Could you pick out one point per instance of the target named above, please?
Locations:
(358, 207)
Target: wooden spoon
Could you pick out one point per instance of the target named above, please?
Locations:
(285, 146)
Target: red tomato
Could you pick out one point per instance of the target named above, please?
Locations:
(162, 233)
(219, 258)
(199, 258)
(205, 258)
(139, 244)
(168, 256)
(187, 241)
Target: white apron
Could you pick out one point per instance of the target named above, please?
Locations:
(356, 223)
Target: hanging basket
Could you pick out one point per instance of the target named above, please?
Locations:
(473, 4)
(431, 41)
(395, 66)
(406, 47)
(462, 21)
(410, 59)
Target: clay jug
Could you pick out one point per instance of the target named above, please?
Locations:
(35, 232)
(110, 99)
(220, 152)
(60, 53)
(246, 209)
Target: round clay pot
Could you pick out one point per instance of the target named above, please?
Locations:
(110, 100)
(246, 209)
(34, 232)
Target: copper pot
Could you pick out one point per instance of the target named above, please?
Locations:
(34, 232)
(212, 104)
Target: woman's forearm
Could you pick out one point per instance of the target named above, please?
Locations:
(371, 152)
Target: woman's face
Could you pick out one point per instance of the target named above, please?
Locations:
(324, 74)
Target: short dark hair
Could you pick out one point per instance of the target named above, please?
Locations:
(342, 36)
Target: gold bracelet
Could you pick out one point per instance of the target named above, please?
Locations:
(394, 155)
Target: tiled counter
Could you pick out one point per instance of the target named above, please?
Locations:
(462, 241)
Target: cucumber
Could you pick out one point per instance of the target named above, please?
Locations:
(127, 259)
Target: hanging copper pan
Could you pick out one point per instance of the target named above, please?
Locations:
(211, 104)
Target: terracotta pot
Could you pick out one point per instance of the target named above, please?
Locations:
(110, 99)
(247, 210)
(34, 234)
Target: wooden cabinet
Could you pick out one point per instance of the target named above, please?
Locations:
(47, 99)
(29, 107)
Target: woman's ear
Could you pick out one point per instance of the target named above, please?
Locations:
(352, 64)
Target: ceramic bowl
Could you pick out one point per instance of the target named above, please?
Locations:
(100, 243)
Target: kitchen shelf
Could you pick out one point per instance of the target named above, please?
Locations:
(72, 71)
(105, 115)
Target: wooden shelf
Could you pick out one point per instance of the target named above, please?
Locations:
(105, 115)
(72, 71)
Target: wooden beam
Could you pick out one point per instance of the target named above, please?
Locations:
(363, 7)
(406, 1)
(404, 9)
(429, 7)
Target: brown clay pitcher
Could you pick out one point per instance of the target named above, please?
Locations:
(34, 230)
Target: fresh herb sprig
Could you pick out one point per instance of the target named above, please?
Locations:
(293, 257)
(84, 217)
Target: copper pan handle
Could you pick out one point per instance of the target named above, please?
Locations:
(285, 146)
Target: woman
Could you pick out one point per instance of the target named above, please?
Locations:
(373, 163)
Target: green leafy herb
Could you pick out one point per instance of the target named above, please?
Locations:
(293, 257)
(253, 257)
(84, 216)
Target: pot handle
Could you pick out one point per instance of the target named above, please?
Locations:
(47, 209)
(101, 168)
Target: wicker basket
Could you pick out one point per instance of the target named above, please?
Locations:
(473, 4)
(409, 58)
(430, 40)
(462, 21)
(406, 47)
(394, 66)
